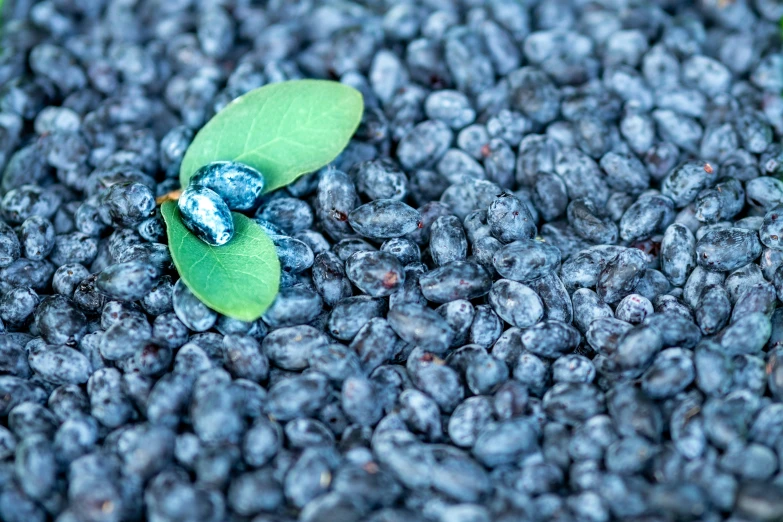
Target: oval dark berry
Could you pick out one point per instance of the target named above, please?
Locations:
(206, 215)
(239, 185)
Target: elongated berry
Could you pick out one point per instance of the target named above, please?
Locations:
(206, 215)
(240, 186)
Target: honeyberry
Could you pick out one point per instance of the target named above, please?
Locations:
(206, 215)
(239, 185)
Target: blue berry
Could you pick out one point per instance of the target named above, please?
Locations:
(526, 260)
(206, 215)
(421, 326)
(550, 339)
(129, 203)
(292, 306)
(504, 442)
(192, 312)
(294, 255)
(350, 314)
(729, 249)
(377, 274)
(17, 305)
(447, 240)
(37, 237)
(291, 215)
(486, 326)
(384, 218)
(455, 280)
(335, 199)
(376, 343)
(59, 321)
(590, 223)
(124, 337)
(26, 201)
(298, 396)
(424, 144)
(251, 493)
(129, 281)
(509, 219)
(290, 348)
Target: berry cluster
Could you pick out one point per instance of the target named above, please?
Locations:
(544, 281)
(214, 191)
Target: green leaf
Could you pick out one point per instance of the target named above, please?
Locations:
(239, 279)
(283, 129)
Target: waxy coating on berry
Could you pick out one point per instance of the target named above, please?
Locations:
(206, 215)
(239, 185)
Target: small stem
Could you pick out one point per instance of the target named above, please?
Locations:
(171, 196)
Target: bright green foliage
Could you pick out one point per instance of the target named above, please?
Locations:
(283, 129)
(239, 279)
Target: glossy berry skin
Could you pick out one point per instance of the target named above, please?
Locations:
(37, 237)
(384, 219)
(129, 203)
(206, 215)
(509, 219)
(128, 281)
(240, 186)
(60, 321)
(728, 249)
(526, 260)
(192, 312)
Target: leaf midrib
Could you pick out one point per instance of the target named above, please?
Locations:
(214, 254)
(290, 132)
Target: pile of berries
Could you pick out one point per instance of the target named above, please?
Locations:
(543, 282)
(214, 191)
